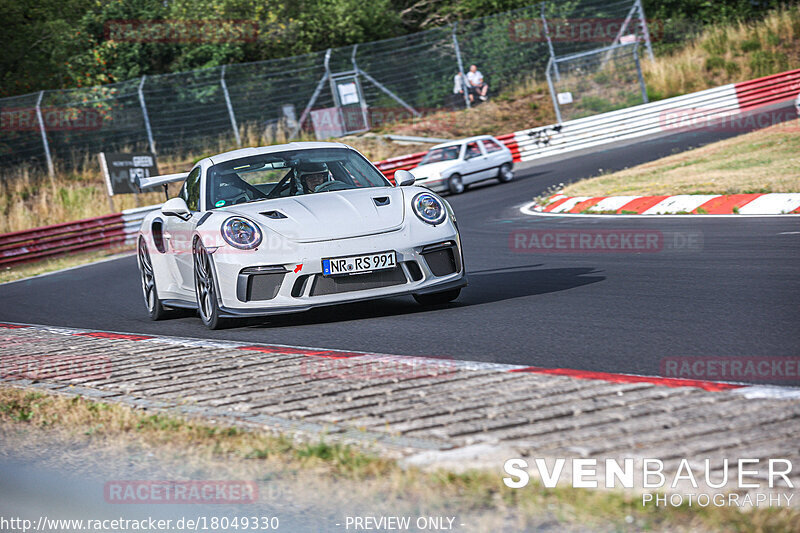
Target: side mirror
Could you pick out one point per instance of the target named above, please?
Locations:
(403, 178)
(176, 207)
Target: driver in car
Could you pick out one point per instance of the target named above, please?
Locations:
(312, 175)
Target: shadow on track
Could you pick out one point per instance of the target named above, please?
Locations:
(485, 286)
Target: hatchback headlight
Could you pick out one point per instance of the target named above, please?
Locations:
(241, 233)
(429, 208)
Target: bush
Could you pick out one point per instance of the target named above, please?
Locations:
(714, 63)
(750, 45)
(765, 63)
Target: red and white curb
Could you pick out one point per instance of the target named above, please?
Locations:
(446, 364)
(769, 204)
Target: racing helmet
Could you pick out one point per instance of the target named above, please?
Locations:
(312, 175)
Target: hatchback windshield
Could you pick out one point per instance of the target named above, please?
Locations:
(446, 153)
(289, 173)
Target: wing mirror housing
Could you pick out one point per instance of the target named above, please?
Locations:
(403, 178)
(176, 207)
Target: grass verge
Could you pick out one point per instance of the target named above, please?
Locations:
(766, 160)
(728, 53)
(27, 270)
(34, 416)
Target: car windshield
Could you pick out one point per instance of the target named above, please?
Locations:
(446, 153)
(289, 173)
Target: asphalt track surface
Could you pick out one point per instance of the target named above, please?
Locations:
(733, 292)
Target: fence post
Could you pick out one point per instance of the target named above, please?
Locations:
(464, 84)
(364, 112)
(621, 31)
(50, 169)
(552, 90)
(230, 107)
(550, 43)
(146, 118)
(314, 96)
(646, 32)
(639, 73)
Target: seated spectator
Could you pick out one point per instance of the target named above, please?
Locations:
(459, 85)
(477, 85)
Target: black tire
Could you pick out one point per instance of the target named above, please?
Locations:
(505, 174)
(206, 290)
(153, 305)
(455, 184)
(437, 298)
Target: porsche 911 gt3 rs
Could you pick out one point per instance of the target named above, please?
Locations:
(279, 229)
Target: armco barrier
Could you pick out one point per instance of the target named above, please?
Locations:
(118, 229)
(526, 145)
(662, 117)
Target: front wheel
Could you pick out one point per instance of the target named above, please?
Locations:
(205, 289)
(505, 174)
(437, 298)
(155, 310)
(455, 184)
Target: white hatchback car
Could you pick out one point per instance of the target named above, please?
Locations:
(454, 165)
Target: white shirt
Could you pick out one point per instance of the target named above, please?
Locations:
(475, 78)
(458, 84)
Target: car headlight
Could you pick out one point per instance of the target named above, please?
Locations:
(429, 208)
(241, 233)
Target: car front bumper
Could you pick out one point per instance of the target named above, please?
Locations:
(256, 287)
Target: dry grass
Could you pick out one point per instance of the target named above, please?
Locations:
(726, 54)
(766, 160)
(99, 436)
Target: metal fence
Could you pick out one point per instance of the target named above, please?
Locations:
(346, 89)
(596, 81)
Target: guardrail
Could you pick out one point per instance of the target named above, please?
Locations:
(119, 229)
(671, 115)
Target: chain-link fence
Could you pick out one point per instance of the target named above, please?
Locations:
(329, 92)
(596, 81)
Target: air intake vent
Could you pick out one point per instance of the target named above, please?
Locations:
(275, 215)
(381, 201)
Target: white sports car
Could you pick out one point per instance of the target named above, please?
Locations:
(285, 228)
(454, 165)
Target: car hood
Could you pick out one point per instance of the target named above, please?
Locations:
(432, 169)
(330, 215)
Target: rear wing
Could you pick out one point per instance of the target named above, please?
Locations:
(155, 181)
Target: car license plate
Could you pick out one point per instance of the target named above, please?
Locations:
(358, 264)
